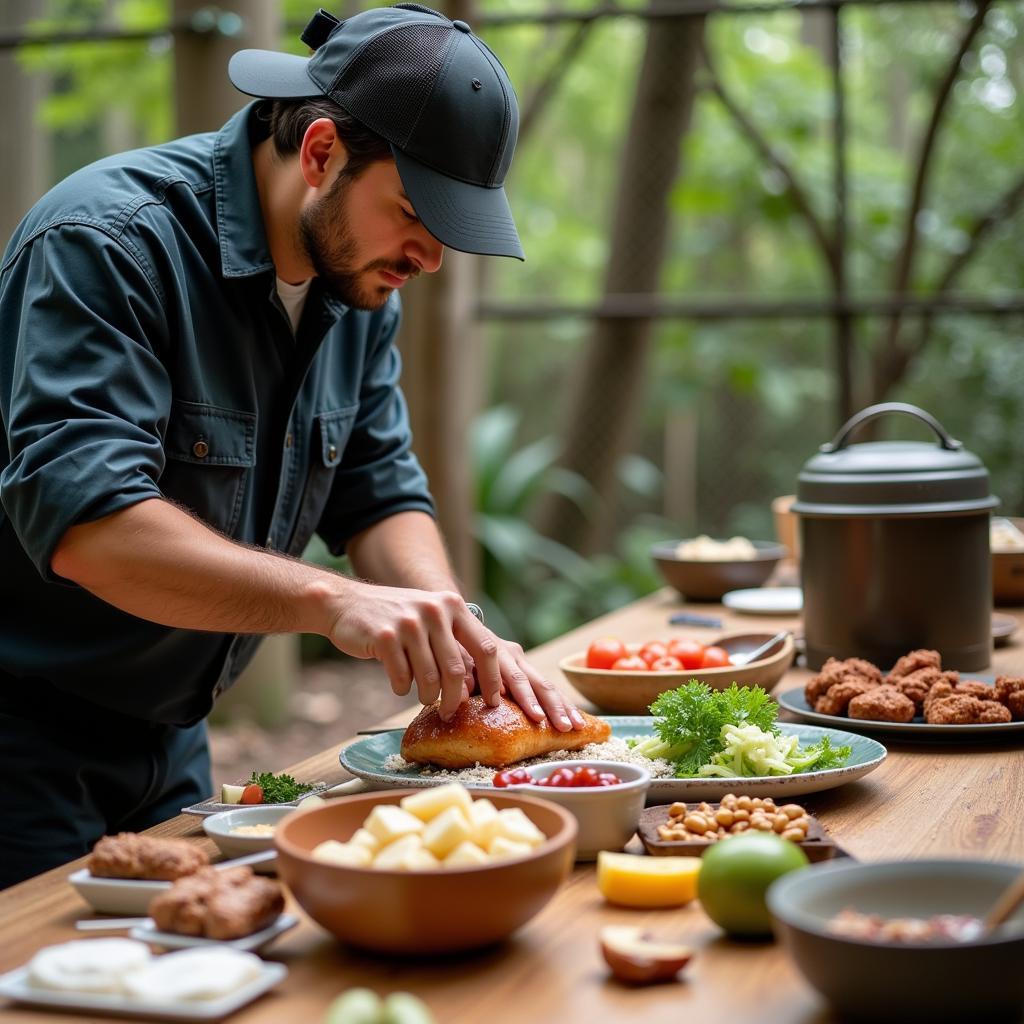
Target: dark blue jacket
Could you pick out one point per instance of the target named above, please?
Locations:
(144, 352)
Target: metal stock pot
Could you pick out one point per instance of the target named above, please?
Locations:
(895, 548)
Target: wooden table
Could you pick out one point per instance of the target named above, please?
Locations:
(928, 799)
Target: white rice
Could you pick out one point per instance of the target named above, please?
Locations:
(615, 749)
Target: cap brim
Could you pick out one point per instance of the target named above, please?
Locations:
(470, 218)
(265, 73)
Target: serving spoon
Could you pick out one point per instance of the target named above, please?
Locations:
(746, 657)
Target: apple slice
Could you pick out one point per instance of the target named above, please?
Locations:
(635, 956)
(231, 794)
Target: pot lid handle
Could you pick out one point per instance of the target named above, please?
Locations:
(872, 411)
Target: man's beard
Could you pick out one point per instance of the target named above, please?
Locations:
(326, 236)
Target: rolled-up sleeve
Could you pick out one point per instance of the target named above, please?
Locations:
(379, 475)
(84, 395)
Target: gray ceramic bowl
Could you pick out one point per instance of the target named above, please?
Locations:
(976, 981)
(607, 816)
(707, 580)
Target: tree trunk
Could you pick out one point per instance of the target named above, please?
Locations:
(25, 156)
(610, 380)
(203, 94)
(440, 345)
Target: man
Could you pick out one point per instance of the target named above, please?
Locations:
(197, 370)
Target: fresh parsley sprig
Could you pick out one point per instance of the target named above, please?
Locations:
(279, 789)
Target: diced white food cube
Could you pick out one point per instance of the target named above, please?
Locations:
(483, 820)
(387, 823)
(513, 824)
(392, 857)
(429, 803)
(420, 860)
(363, 838)
(231, 794)
(503, 848)
(330, 851)
(446, 831)
(466, 855)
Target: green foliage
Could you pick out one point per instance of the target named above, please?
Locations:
(533, 588)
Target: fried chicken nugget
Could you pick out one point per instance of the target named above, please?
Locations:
(1010, 691)
(837, 698)
(914, 661)
(917, 685)
(963, 709)
(834, 672)
(218, 904)
(882, 704)
(128, 855)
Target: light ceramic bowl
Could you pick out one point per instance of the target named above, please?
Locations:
(976, 981)
(632, 693)
(219, 828)
(422, 912)
(607, 816)
(705, 580)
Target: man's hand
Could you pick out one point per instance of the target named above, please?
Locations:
(425, 637)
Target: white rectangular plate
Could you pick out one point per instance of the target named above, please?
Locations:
(148, 932)
(211, 805)
(14, 986)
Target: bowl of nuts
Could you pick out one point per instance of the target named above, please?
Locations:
(687, 830)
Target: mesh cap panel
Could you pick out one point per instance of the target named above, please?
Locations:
(388, 82)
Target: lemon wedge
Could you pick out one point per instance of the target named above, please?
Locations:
(632, 881)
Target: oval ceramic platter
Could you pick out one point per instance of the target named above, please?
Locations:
(793, 700)
(367, 756)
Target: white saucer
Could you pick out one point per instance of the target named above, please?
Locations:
(148, 932)
(765, 600)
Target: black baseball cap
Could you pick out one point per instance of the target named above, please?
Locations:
(433, 90)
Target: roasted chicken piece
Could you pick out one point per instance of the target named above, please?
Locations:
(128, 855)
(914, 661)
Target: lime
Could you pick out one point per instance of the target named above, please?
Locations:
(735, 875)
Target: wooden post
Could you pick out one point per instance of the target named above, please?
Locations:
(25, 154)
(204, 99)
(203, 94)
(441, 347)
(681, 470)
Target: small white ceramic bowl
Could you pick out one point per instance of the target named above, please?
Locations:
(219, 828)
(607, 816)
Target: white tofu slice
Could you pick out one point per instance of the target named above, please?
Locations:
(363, 838)
(386, 823)
(446, 831)
(429, 803)
(392, 857)
(421, 860)
(483, 820)
(330, 851)
(503, 848)
(514, 825)
(466, 855)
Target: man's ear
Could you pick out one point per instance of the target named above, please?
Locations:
(322, 154)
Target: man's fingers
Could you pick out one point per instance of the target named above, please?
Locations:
(482, 647)
(535, 695)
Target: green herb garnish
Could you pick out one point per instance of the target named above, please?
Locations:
(279, 789)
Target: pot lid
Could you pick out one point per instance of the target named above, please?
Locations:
(893, 477)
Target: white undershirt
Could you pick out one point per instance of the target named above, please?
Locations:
(293, 298)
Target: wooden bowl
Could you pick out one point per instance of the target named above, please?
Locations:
(421, 912)
(705, 580)
(632, 693)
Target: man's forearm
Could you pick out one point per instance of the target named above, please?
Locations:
(156, 562)
(404, 550)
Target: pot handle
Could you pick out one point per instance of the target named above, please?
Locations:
(873, 411)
